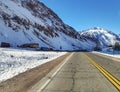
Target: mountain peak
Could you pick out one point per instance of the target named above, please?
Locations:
(99, 35)
(98, 28)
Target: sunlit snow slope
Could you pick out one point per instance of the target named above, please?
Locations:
(25, 21)
(100, 36)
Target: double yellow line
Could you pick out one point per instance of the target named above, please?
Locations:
(111, 78)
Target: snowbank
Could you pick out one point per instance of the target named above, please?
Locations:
(14, 61)
(112, 54)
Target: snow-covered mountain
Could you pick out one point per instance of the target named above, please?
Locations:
(119, 36)
(25, 21)
(100, 36)
(30, 21)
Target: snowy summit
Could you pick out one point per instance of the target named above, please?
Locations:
(100, 36)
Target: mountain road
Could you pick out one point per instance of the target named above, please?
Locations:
(82, 72)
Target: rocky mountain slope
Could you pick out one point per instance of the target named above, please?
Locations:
(28, 21)
(100, 36)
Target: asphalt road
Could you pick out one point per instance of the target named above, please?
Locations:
(78, 74)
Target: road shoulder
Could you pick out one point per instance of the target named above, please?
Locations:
(38, 87)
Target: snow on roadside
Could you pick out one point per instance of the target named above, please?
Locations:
(14, 61)
(116, 55)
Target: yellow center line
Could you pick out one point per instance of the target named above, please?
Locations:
(111, 78)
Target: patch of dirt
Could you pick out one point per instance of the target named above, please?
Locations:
(23, 81)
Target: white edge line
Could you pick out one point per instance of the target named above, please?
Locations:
(53, 75)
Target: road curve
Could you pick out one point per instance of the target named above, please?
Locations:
(78, 74)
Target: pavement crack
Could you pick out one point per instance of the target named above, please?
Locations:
(73, 77)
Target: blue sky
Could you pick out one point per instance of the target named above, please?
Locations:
(85, 14)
